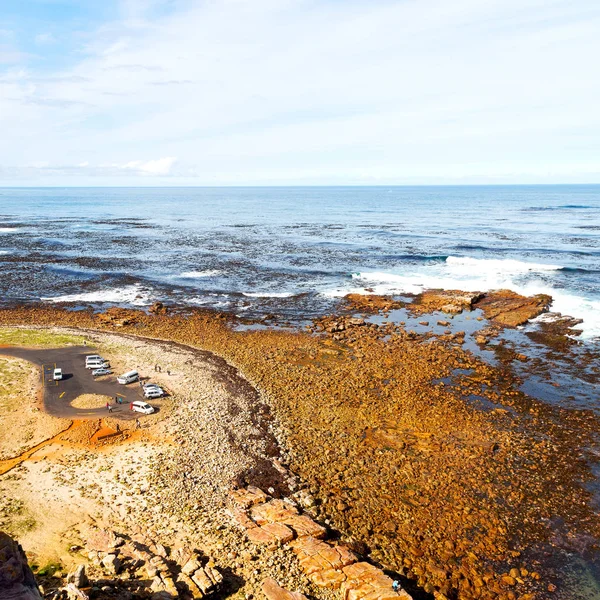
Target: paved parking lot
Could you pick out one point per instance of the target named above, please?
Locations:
(77, 380)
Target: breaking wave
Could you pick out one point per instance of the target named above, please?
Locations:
(268, 294)
(200, 274)
(131, 294)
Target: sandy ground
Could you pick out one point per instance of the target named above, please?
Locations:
(22, 423)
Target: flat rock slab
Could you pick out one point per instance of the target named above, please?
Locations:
(273, 591)
(275, 511)
(248, 497)
(364, 581)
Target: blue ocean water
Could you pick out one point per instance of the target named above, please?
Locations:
(295, 250)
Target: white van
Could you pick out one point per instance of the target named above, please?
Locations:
(142, 407)
(129, 377)
(97, 364)
(92, 358)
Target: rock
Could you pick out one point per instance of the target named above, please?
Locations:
(190, 567)
(158, 308)
(305, 526)
(78, 577)
(449, 301)
(248, 497)
(112, 564)
(274, 511)
(16, 578)
(356, 322)
(364, 580)
(511, 309)
(273, 591)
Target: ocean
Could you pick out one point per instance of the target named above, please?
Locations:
(294, 251)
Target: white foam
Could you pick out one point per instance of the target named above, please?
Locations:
(268, 294)
(200, 274)
(3, 252)
(8, 229)
(510, 266)
(131, 294)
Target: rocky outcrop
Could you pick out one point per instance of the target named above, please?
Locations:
(16, 578)
(448, 301)
(273, 591)
(328, 565)
(511, 309)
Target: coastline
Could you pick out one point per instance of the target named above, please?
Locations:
(429, 460)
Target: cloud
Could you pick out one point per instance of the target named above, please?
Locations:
(303, 91)
(160, 166)
(44, 38)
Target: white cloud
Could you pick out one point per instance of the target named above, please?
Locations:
(302, 91)
(44, 38)
(160, 166)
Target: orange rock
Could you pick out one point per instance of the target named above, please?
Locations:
(366, 582)
(279, 531)
(275, 511)
(273, 591)
(242, 519)
(248, 497)
(328, 578)
(305, 526)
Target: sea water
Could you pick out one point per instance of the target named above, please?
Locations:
(296, 250)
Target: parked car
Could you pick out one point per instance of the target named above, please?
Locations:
(101, 371)
(142, 407)
(128, 377)
(57, 374)
(97, 364)
(153, 392)
(152, 386)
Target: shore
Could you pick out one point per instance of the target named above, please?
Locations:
(416, 453)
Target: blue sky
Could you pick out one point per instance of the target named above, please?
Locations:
(231, 92)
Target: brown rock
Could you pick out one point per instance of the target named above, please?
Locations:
(273, 591)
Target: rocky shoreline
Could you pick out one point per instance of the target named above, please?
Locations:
(417, 454)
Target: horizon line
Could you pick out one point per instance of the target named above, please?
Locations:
(263, 186)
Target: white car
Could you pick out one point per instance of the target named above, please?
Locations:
(57, 376)
(142, 407)
(101, 371)
(153, 392)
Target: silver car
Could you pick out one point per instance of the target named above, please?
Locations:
(101, 371)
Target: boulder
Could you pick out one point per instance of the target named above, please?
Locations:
(78, 577)
(16, 578)
(111, 564)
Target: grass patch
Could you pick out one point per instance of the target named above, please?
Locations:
(42, 338)
(49, 569)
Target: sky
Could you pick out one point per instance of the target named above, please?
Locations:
(299, 92)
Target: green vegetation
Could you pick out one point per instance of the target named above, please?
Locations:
(43, 338)
(48, 570)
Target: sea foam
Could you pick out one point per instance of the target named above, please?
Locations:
(131, 294)
(200, 274)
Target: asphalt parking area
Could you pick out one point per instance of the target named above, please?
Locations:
(77, 380)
